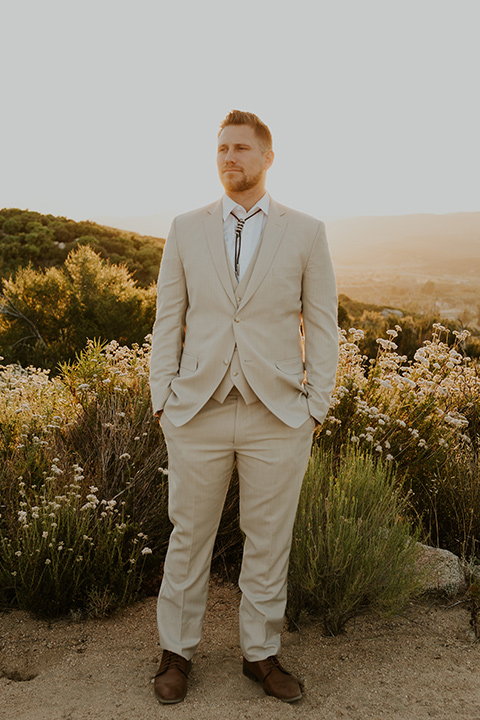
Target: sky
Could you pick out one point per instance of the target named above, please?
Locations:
(112, 107)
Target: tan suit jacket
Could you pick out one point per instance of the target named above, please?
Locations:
(200, 319)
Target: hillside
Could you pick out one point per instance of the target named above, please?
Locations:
(45, 241)
(422, 263)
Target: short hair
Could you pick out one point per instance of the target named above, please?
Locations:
(239, 117)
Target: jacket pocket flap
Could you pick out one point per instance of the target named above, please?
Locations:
(294, 366)
(189, 362)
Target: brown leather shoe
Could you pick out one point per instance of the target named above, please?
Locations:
(275, 680)
(170, 682)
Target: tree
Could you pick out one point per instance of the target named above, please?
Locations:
(86, 298)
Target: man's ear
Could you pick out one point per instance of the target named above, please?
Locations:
(269, 158)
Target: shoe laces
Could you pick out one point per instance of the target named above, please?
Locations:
(271, 663)
(171, 660)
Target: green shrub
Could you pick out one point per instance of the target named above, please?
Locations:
(47, 316)
(97, 415)
(353, 544)
(418, 415)
(65, 548)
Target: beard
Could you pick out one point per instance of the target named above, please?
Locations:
(240, 182)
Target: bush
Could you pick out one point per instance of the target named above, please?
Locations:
(353, 545)
(85, 298)
(66, 549)
(95, 415)
(422, 416)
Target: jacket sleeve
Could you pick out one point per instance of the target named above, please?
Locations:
(319, 311)
(169, 327)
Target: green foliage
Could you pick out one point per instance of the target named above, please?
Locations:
(96, 415)
(376, 320)
(422, 416)
(45, 241)
(353, 545)
(66, 546)
(85, 298)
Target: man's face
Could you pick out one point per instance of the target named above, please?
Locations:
(242, 162)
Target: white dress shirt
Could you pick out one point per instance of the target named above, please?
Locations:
(252, 230)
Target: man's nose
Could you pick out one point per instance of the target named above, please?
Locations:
(230, 156)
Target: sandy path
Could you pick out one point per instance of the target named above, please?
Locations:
(422, 664)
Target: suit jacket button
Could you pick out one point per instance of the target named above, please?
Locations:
(237, 319)
(225, 362)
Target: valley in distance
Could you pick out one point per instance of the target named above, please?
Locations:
(424, 263)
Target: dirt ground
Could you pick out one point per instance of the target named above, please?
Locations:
(424, 663)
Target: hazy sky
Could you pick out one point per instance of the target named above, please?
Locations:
(111, 107)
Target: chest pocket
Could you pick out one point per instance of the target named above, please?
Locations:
(286, 271)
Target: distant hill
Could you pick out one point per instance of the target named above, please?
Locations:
(45, 241)
(157, 225)
(415, 245)
(440, 245)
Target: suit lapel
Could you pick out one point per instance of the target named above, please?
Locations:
(272, 237)
(216, 244)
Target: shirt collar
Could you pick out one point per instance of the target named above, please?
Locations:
(229, 205)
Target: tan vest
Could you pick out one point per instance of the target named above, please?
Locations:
(234, 377)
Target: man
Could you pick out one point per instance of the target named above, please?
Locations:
(233, 380)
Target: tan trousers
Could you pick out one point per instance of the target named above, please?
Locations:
(271, 461)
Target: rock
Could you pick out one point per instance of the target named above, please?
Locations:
(443, 571)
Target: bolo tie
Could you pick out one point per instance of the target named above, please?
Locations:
(238, 240)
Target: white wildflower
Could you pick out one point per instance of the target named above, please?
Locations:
(387, 344)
